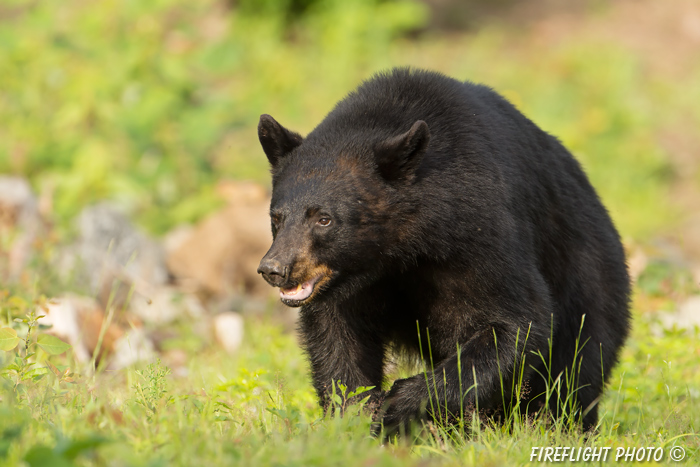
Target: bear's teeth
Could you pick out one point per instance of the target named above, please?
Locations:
(293, 291)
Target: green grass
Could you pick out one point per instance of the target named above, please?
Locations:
(258, 408)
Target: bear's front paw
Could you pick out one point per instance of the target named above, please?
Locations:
(403, 405)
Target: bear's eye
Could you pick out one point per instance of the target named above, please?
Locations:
(324, 221)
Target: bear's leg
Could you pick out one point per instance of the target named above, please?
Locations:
(342, 350)
(580, 397)
(450, 392)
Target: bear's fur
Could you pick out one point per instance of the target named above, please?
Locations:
(425, 202)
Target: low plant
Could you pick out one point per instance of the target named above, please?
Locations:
(23, 327)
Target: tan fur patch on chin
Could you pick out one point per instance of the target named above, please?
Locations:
(320, 270)
(322, 281)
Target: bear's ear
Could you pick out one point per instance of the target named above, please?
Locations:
(398, 157)
(275, 139)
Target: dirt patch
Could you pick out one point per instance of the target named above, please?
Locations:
(220, 256)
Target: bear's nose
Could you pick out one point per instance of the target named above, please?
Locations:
(273, 271)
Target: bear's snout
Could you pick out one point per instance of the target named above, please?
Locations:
(273, 272)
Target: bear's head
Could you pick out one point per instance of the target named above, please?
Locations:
(338, 207)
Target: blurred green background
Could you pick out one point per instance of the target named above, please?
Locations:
(150, 103)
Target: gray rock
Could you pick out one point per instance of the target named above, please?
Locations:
(110, 247)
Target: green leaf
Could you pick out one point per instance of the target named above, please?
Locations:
(41, 456)
(360, 390)
(52, 345)
(35, 372)
(70, 449)
(277, 412)
(198, 404)
(8, 339)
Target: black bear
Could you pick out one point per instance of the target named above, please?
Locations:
(425, 203)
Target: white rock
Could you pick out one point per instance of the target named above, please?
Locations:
(163, 305)
(133, 347)
(156, 305)
(687, 316)
(63, 318)
(228, 329)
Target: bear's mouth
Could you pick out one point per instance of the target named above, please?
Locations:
(294, 296)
